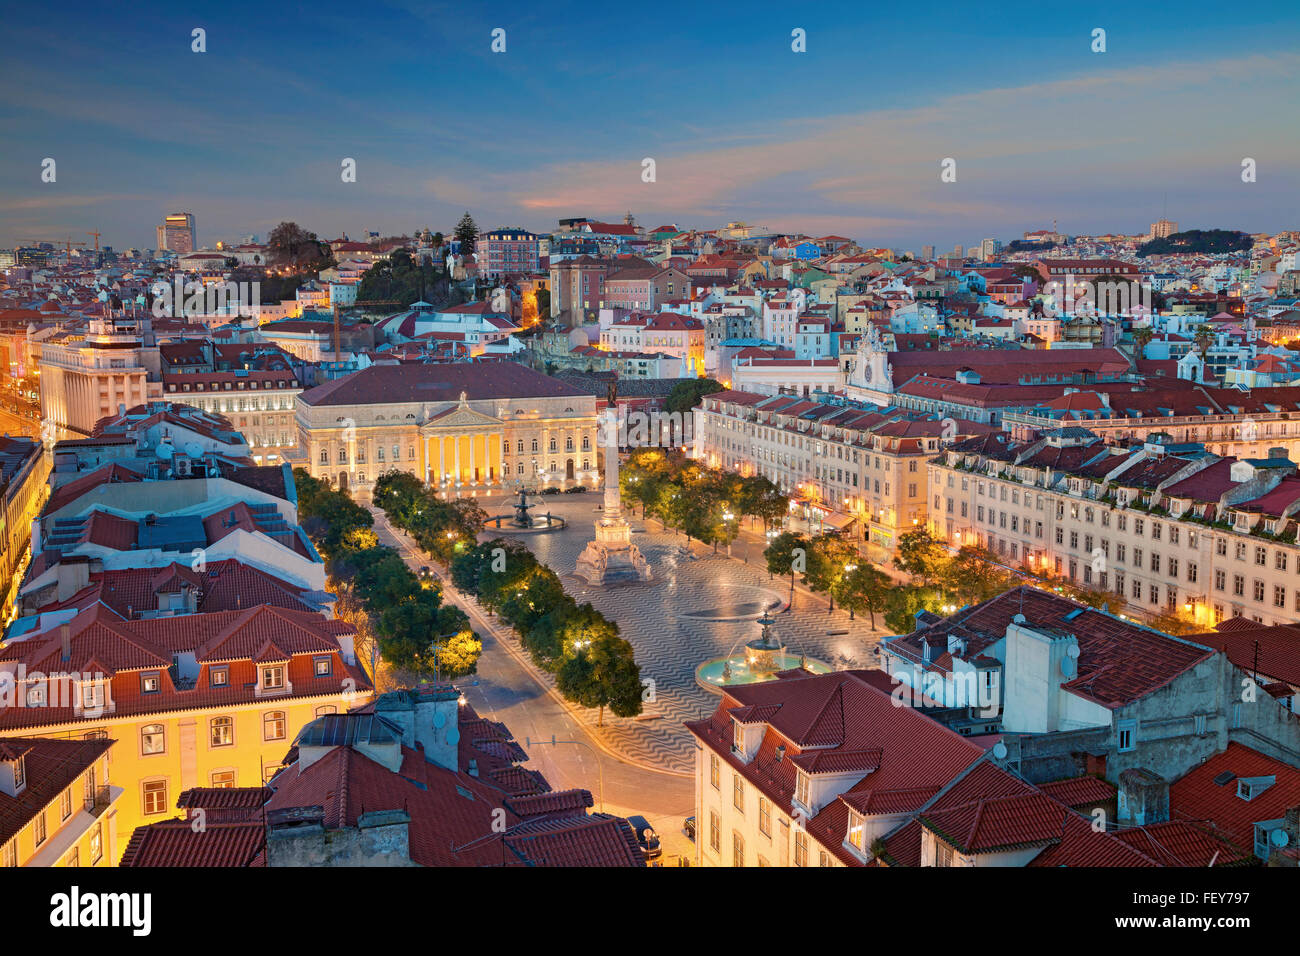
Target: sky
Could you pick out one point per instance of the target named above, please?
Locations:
(846, 138)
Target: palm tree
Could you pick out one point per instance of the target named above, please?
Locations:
(1141, 337)
(1204, 338)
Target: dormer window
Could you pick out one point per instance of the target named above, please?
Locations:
(802, 788)
(857, 834)
(273, 677)
(1250, 787)
(20, 774)
(93, 695)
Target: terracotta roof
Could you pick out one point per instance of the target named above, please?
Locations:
(1200, 796)
(51, 767)
(383, 384)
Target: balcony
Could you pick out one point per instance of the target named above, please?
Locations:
(100, 799)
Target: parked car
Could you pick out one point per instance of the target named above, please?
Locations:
(576, 490)
(646, 836)
(688, 827)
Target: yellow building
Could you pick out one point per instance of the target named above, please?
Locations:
(204, 700)
(57, 807)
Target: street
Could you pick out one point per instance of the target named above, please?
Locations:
(505, 690)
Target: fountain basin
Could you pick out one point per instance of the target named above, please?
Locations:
(711, 675)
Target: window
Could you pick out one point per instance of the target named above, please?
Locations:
(149, 682)
(273, 725)
(273, 677)
(73, 858)
(155, 796)
(764, 817)
(152, 739)
(65, 804)
(223, 779)
(221, 732)
(9, 854)
(219, 676)
(714, 777)
(715, 832)
(326, 709)
(92, 695)
(800, 848)
(1126, 730)
(857, 831)
(96, 844)
(40, 832)
(322, 666)
(737, 849)
(738, 792)
(942, 854)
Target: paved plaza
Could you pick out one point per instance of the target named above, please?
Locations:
(697, 606)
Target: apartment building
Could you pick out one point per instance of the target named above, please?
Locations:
(1228, 421)
(88, 375)
(259, 403)
(57, 807)
(829, 771)
(507, 251)
(842, 463)
(1168, 529)
(24, 468)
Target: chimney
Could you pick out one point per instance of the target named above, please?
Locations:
(1143, 797)
(65, 641)
(437, 724)
(73, 574)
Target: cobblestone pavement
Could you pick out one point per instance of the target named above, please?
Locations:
(679, 620)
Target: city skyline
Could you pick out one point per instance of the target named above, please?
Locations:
(244, 135)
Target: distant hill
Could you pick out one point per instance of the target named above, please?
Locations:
(1197, 241)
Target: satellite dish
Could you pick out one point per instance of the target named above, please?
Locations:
(194, 449)
(165, 451)
(1069, 666)
(439, 718)
(1000, 750)
(1279, 837)
(453, 735)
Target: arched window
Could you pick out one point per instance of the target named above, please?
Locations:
(273, 725)
(534, 444)
(152, 739)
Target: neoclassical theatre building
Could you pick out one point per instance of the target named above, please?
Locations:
(464, 428)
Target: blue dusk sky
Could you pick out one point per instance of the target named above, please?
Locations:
(846, 138)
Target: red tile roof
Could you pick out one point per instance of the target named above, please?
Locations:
(1197, 797)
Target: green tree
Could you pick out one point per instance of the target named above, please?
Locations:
(788, 554)
(466, 233)
(686, 394)
(290, 246)
(828, 558)
(602, 674)
(920, 554)
(568, 628)
(864, 588)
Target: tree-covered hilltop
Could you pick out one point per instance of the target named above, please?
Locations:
(1201, 241)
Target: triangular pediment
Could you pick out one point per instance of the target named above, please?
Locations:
(460, 417)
